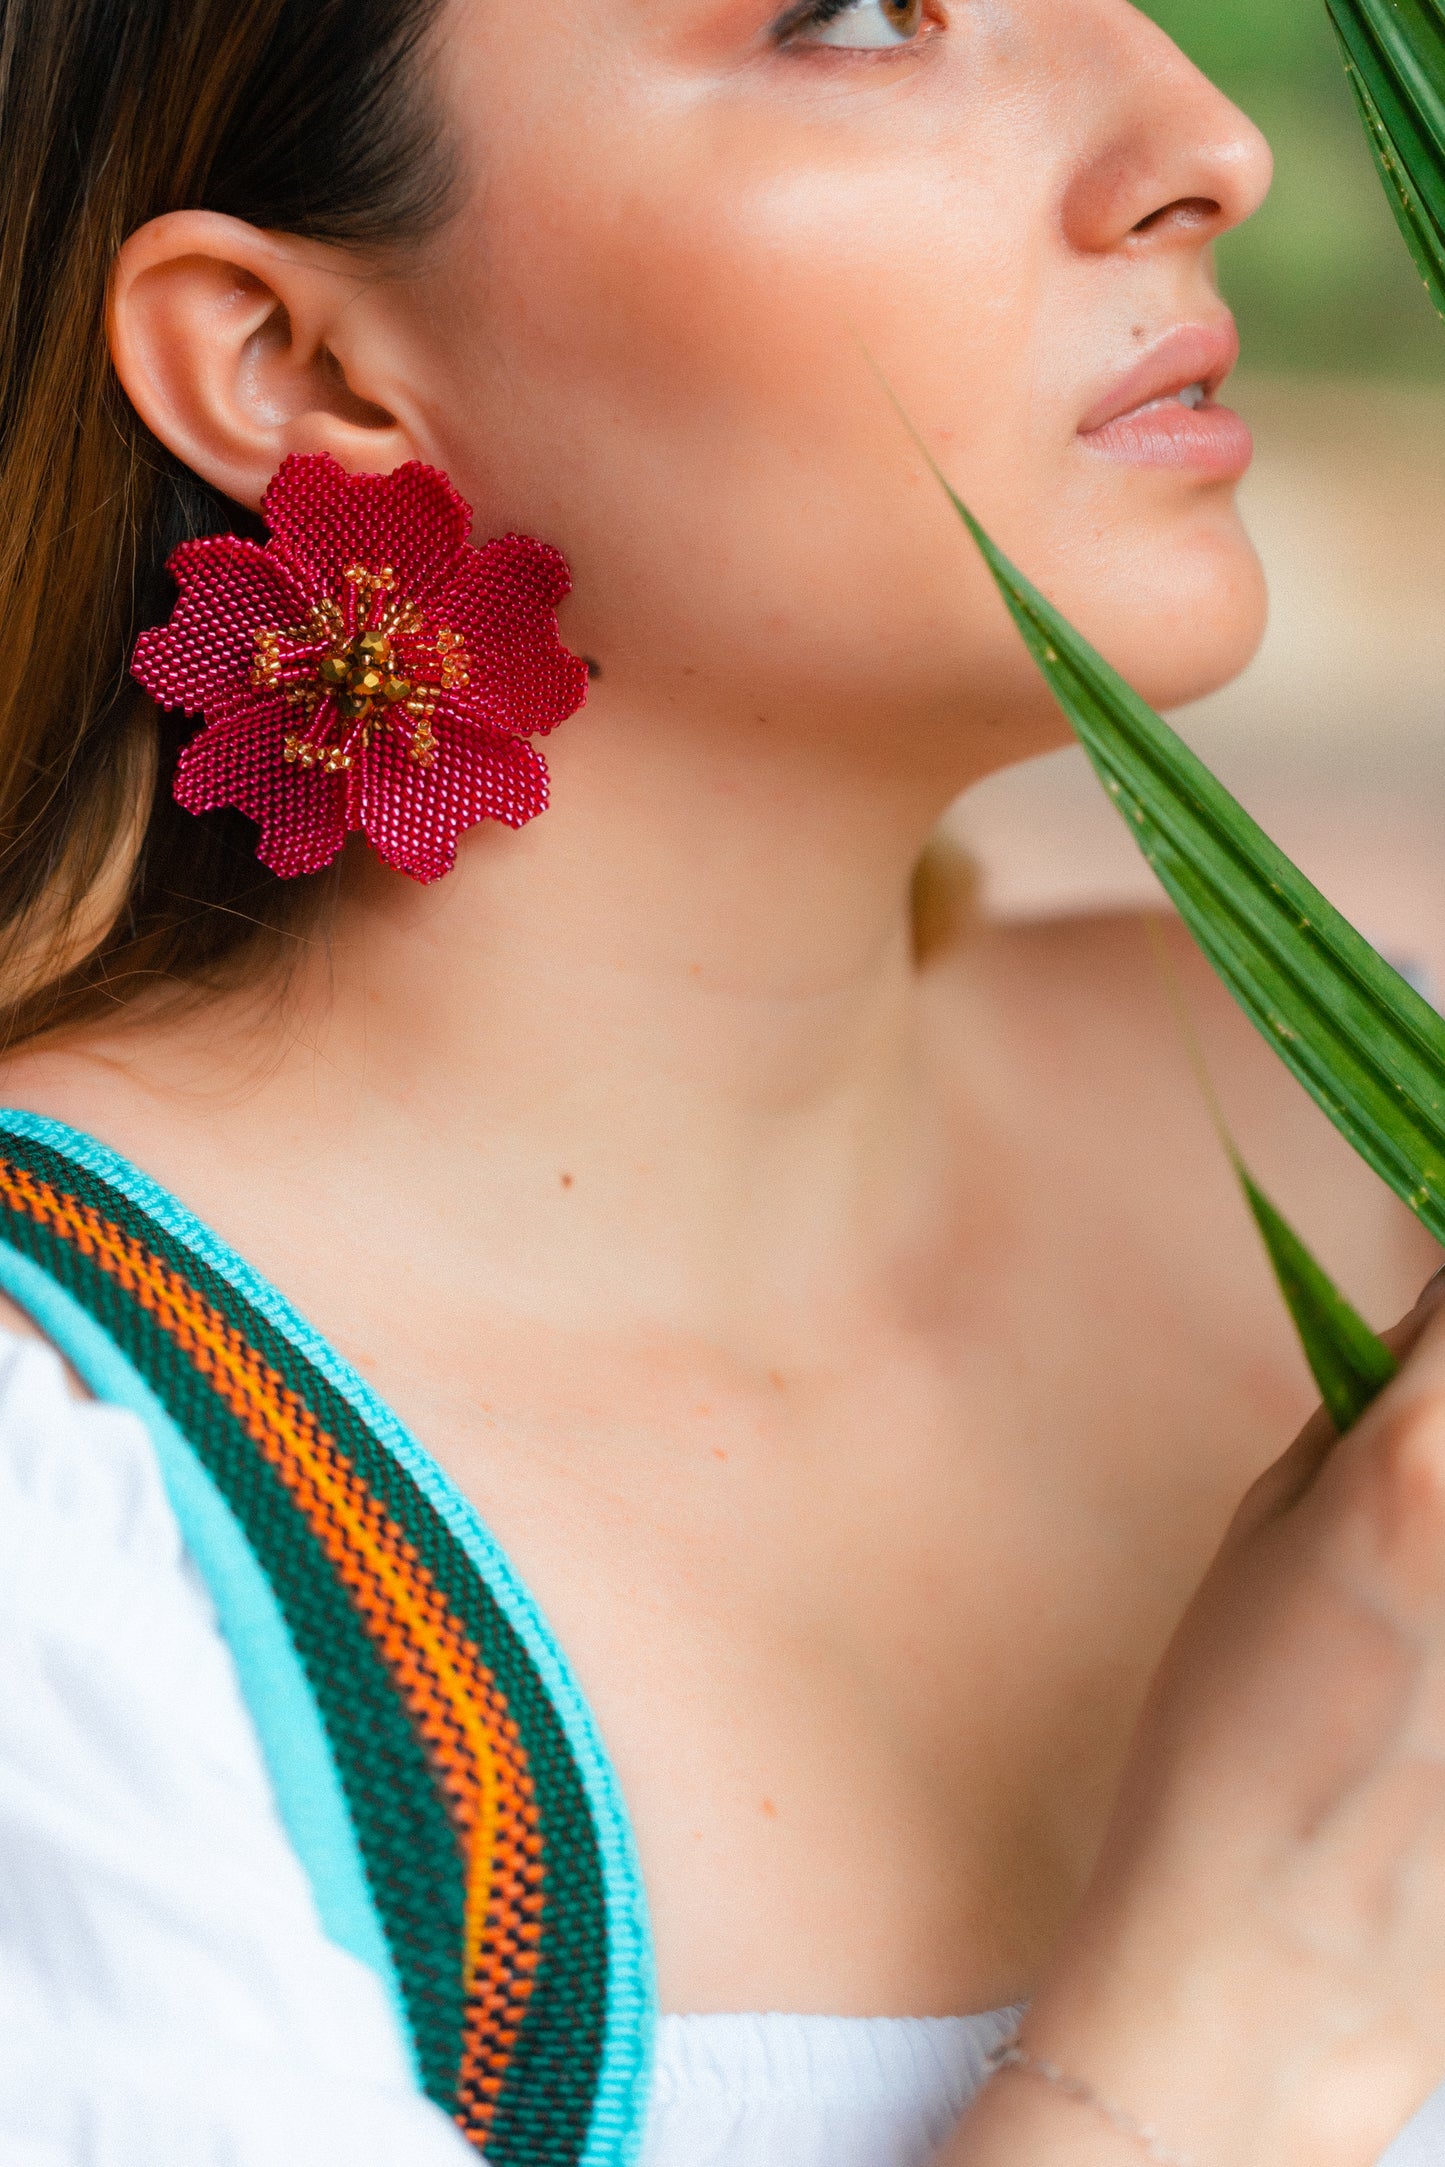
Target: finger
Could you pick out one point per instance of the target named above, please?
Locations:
(1406, 1424)
(1419, 1340)
(1401, 1337)
(1285, 1482)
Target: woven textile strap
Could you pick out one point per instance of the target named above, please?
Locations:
(436, 1766)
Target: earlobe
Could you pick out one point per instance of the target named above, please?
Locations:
(225, 340)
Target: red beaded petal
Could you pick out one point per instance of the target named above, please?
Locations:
(368, 669)
(303, 817)
(323, 519)
(202, 659)
(413, 815)
(502, 601)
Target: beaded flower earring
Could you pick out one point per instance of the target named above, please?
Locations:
(367, 669)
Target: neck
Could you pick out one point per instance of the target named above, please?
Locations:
(679, 1010)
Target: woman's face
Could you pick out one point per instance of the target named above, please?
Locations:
(698, 237)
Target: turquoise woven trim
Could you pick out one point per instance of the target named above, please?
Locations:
(623, 2091)
(309, 1795)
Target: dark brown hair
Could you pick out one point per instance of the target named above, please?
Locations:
(299, 116)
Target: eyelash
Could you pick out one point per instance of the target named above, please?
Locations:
(814, 16)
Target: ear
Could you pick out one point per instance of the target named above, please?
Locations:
(237, 347)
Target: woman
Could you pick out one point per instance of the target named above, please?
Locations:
(838, 1310)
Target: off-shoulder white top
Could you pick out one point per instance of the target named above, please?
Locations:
(167, 1996)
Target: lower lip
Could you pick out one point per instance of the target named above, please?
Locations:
(1210, 441)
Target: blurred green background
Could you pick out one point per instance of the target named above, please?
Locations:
(1320, 279)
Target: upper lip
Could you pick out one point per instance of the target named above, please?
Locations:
(1192, 354)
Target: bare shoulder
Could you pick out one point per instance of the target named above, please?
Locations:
(63, 1080)
(1088, 1028)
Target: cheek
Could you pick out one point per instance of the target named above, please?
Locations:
(691, 395)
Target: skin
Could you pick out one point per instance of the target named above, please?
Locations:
(861, 1358)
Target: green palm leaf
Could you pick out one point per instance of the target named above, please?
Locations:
(1350, 1365)
(1361, 1041)
(1395, 60)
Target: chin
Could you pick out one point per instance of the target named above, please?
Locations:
(1199, 615)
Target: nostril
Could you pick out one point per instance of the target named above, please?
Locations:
(1186, 214)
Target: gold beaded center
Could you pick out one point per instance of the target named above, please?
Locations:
(356, 674)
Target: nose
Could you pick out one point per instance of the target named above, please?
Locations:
(1173, 163)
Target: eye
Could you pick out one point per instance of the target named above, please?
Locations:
(862, 25)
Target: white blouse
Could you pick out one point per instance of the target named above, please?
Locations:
(167, 1996)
